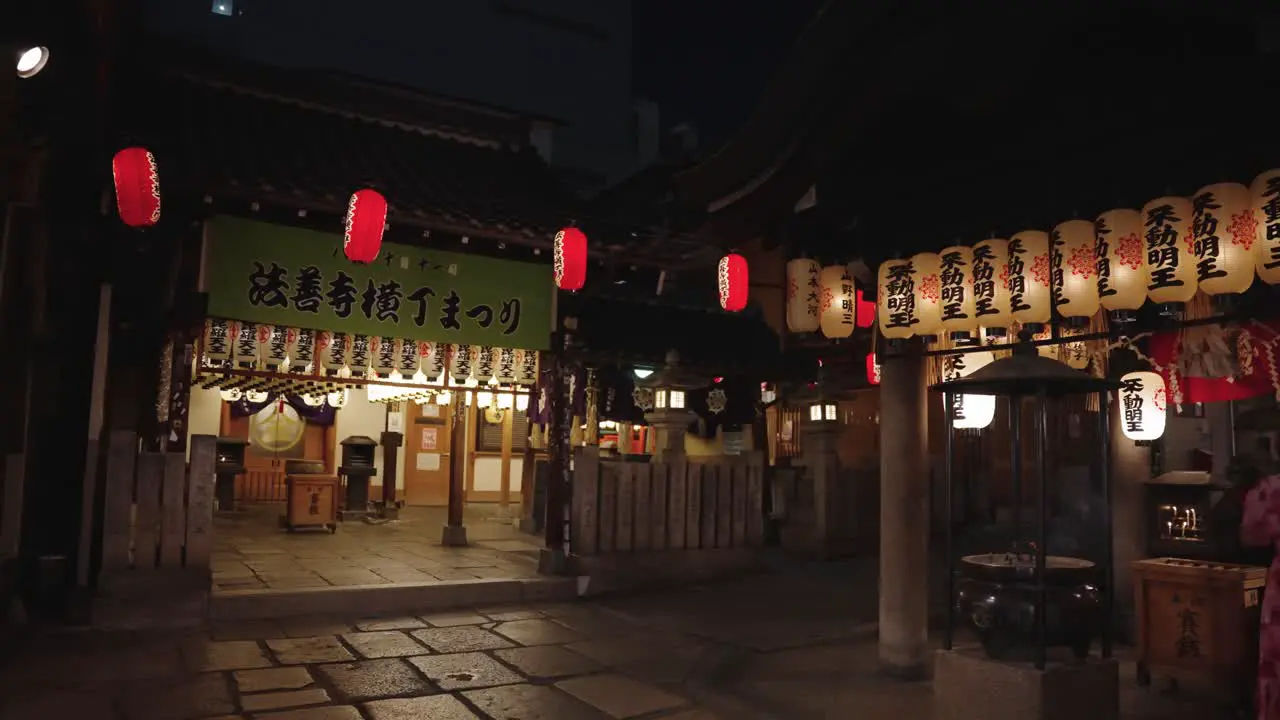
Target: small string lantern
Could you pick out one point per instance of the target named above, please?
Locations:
(956, 278)
(365, 223)
(570, 259)
(896, 301)
(873, 369)
(732, 281)
(1143, 404)
(991, 286)
(837, 316)
(865, 314)
(1171, 270)
(972, 412)
(928, 295)
(1029, 299)
(803, 295)
(1264, 193)
(1223, 227)
(1073, 273)
(1122, 263)
(137, 183)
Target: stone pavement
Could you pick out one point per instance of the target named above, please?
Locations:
(795, 643)
(251, 552)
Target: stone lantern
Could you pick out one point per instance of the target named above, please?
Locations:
(821, 424)
(670, 416)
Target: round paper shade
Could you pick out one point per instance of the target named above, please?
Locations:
(1143, 404)
(803, 296)
(991, 283)
(1122, 260)
(972, 412)
(837, 302)
(1265, 197)
(897, 282)
(1073, 275)
(1223, 226)
(1166, 234)
(1029, 300)
(928, 293)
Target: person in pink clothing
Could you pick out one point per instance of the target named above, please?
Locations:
(1260, 527)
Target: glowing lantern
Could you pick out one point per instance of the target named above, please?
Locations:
(1142, 405)
(865, 314)
(137, 184)
(1223, 227)
(971, 412)
(1029, 299)
(837, 302)
(873, 369)
(928, 295)
(1073, 269)
(1121, 262)
(1265, 195)
(991, 286)
(1171, 264)
(803, 296)
(732, 280)
(956, 278)
(570, 259)
(366, 220)
(896, 301)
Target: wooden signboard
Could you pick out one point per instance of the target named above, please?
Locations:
(1198, 620)
(312, 502)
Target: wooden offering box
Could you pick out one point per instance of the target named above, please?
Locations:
(1198, 621)
(312, 502)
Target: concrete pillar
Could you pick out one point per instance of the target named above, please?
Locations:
(822, 468)
(904, 515)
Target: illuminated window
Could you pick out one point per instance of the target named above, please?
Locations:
(224, 7)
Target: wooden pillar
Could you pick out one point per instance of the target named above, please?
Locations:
(558, 446)
(904, 515)
(455, 532)
(391, 442)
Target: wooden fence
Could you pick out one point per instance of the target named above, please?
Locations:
(261, 486)
(687, 504)
(157, 513)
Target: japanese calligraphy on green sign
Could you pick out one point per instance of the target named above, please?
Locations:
(266, 273)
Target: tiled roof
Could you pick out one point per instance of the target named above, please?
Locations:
(311, 141)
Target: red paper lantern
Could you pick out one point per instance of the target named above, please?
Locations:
(732, 280)
(570, 259)
(137, 187)
(865, 315)
(366, 220)
(873, 370)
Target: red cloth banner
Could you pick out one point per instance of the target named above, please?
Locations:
(1254, 379)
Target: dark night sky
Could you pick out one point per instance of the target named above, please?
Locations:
(708, 60)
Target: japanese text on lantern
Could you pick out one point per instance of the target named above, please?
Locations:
(1102, 251)
(1266, 192)
(1132, 404)
(952, 278)
(900, 291)
(953, 368)
(271, 285)
(1163, 255)
(1018, 275)
(1204, 228)
(985, 278)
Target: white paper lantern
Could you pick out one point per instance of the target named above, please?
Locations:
(972, 412)
(991, 286)
(837, 302)
(1073, 269)
(1029, 298)
(1122, 260)
(339, 398)
(1223, 227)
(1143, 404)
(1265, 197)
(928, 293)
(896, 298)
(231, 395)
(956, 278)
(803, 295)
(1171, 266)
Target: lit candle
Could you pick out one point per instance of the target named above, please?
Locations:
(1170, 531)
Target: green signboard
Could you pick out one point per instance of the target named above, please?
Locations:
(266, 273)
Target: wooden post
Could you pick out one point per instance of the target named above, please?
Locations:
(455, 532)
(557, 447)
(200, 480)
(391, 442)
